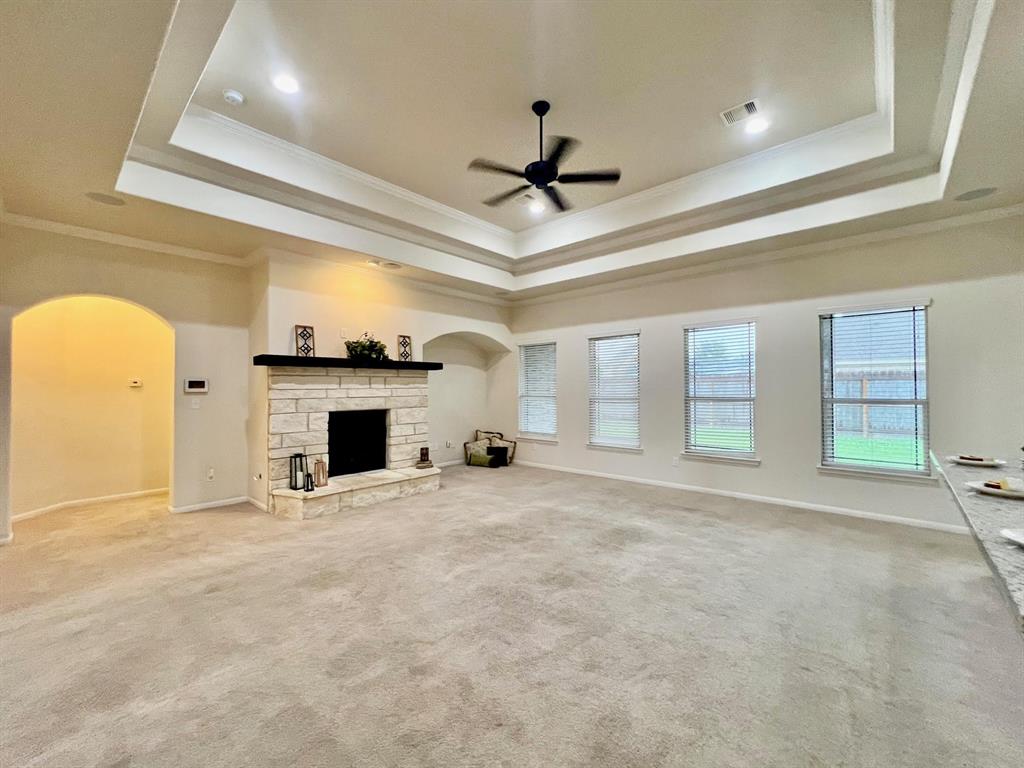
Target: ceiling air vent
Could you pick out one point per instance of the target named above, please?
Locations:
(741, 112)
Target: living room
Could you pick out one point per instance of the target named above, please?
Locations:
(696, 434)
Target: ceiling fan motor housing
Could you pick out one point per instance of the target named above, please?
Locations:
(540, 173)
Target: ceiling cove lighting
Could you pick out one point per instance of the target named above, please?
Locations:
(286, 83)
(757, 124)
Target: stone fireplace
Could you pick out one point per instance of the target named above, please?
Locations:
(367, 423)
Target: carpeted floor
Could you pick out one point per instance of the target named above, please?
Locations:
(515, 618)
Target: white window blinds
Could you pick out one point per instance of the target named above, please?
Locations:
(615, 391)
(718, 399)
(538, 390)
(874, 404)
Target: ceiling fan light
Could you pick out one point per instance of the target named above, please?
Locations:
(536, 206)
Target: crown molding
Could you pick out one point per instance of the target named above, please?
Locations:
(268, 253)
(211, 134)
(112, 238)
(783, 254)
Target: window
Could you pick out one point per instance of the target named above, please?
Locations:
(538, 390)
(874, 404)
(615, 391)
(718, 398)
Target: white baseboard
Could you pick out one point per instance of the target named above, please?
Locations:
(934, 526)
(211, 504)
(451, 463)
(258, 504)
(83, 502)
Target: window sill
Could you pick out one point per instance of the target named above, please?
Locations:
(615, 448)
(879, 474)
(546, 440)
(749, 461)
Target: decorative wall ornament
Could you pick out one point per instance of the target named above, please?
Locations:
(305, 344)
(404, 348)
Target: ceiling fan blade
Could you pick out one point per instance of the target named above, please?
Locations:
(499, 199)
(557, 199)
(610, 176)
(486, 165)
(560, 147)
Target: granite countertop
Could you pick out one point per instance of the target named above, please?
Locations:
(986, 516)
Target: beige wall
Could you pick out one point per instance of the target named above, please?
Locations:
(207, 304)
(458, 403)
(79, 431)
(974, 276)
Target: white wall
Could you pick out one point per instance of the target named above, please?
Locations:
(975, 277)
(206, 304)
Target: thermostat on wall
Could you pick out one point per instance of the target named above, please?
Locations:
(196, 386)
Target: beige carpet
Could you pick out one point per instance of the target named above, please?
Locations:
(515, 618)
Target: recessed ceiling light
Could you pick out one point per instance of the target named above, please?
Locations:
(233, 97)
(756, 124)
(372, 263)
(390, 265)
(286, 83)
(536, 206)
(100, 197)
(974, 194)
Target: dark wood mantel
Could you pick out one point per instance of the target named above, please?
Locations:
(295, 361)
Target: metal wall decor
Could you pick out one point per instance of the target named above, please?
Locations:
(404, 348)
(305, 344)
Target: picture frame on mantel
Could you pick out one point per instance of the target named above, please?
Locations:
(305, 341)
(404, 348)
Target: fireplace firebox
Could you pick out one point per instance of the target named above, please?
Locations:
(356, 441)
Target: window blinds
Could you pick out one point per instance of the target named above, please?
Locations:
(874, 404)
(615, 391)
(718, 400)
(538, 390)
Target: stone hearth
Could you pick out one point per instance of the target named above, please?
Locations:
(300, 399)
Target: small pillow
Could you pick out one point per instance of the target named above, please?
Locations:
(509, 444)
(482, 460)
(478, 447)
(499, 453)
(485, 434)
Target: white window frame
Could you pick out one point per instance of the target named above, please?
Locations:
(723, 454)
(875, 470)
(591, 400)
(521, 433)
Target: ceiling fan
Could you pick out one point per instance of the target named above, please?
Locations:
(544, 172)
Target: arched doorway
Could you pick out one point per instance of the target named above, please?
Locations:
(91, 403)
(461, 395)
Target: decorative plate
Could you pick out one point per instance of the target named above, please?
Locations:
(971, 463)
(980, 487)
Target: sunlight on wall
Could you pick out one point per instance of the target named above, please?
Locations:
(79, 430)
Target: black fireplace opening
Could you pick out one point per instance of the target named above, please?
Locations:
(357, 441)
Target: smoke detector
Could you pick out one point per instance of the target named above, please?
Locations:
(233, 97)
(741, 112)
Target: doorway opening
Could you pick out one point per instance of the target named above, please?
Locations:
(92, 403)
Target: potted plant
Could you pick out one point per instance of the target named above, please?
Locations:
(366, 347)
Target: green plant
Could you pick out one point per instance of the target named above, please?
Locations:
(366, 347)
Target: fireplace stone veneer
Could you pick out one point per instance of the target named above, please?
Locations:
(300, 399)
